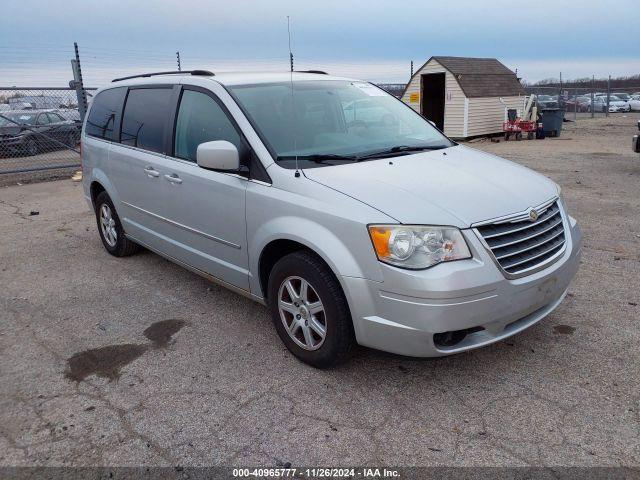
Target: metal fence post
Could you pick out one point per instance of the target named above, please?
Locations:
(593, 107)
(78, 85)
(608, 93)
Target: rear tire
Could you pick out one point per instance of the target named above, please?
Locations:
(110, 229)
(72, 139)
(31, 148)
(322, 308)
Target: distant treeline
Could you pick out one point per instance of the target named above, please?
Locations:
(598, 83)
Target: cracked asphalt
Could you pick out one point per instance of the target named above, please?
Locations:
(197, 375)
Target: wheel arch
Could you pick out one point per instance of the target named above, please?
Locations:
(317, 240)
(95, 189)
(101, 183)
(273, 252)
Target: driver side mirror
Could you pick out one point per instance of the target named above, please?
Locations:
(218, 155)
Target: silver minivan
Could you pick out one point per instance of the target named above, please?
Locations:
(345, 212)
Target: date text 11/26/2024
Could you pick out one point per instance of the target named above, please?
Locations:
(316, 472)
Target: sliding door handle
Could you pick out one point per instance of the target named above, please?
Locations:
(151, 172)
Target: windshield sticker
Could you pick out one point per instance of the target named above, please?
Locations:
(369, 89)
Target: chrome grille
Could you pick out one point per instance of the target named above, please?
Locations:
(520, 245)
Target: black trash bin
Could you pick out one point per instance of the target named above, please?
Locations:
(552, 121)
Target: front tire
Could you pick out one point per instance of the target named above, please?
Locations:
(110, 229)
(309, 310)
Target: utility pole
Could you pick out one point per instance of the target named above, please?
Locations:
(77, 83)
(291, 60)
(178, 59)
(411, 68)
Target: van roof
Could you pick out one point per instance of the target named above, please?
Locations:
(233, 78)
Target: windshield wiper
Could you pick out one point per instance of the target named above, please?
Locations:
(400, 149)
(319, 157)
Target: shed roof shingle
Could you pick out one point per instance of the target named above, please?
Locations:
(480, 77)
(471, 66)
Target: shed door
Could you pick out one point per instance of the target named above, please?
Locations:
(432, 95)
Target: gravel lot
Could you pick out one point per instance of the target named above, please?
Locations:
(211, 384)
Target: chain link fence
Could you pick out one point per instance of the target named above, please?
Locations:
(588, 102)
(39, 129)
(395, 89)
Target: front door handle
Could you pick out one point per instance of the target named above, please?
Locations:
(173, 178)
(151, 172)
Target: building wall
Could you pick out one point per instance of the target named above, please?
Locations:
(454, 98)
(486, 114)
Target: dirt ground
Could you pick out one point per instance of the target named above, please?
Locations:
(136, 361)
(592, 136)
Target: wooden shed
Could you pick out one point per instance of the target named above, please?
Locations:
(462, 95)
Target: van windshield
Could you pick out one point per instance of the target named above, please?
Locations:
(329, 122)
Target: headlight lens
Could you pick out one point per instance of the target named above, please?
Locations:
(416, 246)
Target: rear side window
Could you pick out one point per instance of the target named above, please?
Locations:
(144, 118)
(55, 118)
(102, 117)
(43, 119)
(201, 119)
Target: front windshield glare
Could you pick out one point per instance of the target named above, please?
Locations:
(333, 121)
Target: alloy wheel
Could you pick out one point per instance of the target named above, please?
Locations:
(302, 313)
(108, 225)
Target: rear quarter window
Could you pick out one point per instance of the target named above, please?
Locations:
(105, 109)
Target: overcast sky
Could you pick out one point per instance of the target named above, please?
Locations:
(374, 40)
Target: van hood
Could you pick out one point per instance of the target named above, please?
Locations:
(456, 186)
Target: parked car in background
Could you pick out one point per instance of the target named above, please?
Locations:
(373, 229)
(622, 96)
(35, 101)
(617, 105)
(579, 103)
(599, 104)
(29, 132)
(69, 114)
(634, 103)
(583, 103)
(547, 101)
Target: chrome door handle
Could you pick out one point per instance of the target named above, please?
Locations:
(173, 178)
(151, 172)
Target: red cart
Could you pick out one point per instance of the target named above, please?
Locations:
(517, 127)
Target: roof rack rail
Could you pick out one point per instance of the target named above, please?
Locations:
(319, 72)
(204, 73)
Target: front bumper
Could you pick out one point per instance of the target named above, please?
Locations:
(403, 313)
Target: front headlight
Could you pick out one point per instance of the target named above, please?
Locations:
(417, 247)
